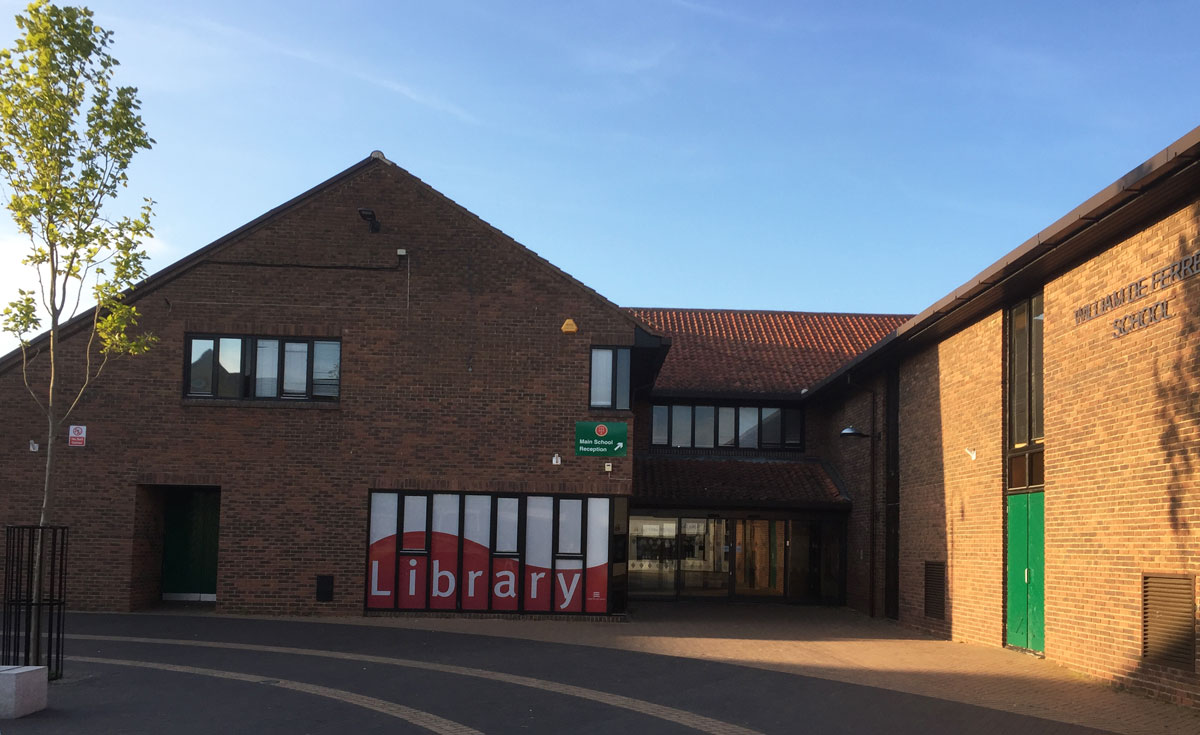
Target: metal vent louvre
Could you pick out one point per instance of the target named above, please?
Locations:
(935, 589)
(1169, 621)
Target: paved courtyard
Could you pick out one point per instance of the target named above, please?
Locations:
(680, 667)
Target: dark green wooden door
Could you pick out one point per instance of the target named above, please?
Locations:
(1026, 563)
(190, 542)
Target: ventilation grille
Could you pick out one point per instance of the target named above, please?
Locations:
(1169, 621)
(935, 589)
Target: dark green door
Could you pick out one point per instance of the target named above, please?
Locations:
(1026, 563)
(190, 524)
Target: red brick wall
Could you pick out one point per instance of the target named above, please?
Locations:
(1122, 457)
(455, 376)
(951, 506)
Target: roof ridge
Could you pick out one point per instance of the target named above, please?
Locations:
(706, 310)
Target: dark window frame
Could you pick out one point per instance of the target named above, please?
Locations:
(614, 377)
(1024, 462)
(249, 363)
(788, 413)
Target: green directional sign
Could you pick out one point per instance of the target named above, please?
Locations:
(601, 439)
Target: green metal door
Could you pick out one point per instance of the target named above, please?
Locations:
(1026, 621)
(190, 527)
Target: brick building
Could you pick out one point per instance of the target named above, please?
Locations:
(369, 400)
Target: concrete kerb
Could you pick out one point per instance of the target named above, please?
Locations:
(23, 690)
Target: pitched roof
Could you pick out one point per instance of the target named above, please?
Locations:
(768, 353)
(748, 483)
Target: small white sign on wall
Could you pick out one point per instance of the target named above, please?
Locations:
(77, 437)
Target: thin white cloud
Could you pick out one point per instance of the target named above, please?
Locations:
(726, 14)
(262, 43)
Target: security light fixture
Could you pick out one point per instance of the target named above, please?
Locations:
(851, 431)
(368, 216)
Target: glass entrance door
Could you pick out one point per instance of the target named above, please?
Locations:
(703, 557)
(652, 559)
(758, 558)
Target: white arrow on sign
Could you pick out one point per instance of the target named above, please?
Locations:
(619, 445)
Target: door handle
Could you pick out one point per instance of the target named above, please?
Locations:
(1026, 575)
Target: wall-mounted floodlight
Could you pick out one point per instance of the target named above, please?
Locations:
(368, 216)
(851, 431)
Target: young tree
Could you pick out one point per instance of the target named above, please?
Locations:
(67, 136)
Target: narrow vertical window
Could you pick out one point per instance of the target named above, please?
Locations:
(748, 427)
(622, 378)
(661, 417)
(507, 517)
(266, 369)
(570, 526)
(327, 369)
(1037, 319)
(200, 373)
(726, 426)
(229, 368)
(705, 425)
(681, 426)
(772, 427)
(1018, 396)
(295, 369)
(793, 427)
(602, 378)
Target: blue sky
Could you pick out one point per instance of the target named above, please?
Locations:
(685, 153)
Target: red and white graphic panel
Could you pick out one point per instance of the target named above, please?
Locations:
(505, 564)
(443, 578)
(568, 585)
(477, 531)
(539, 532)
(381, 552)
(413, 567)
(597, 555)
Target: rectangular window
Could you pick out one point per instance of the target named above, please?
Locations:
(327, 367)
(1018, 388)
(266, 369)
(772, 427)
(200, 382)
(726, 426)
(415, 516)
(570, 527)
(610, 378)
(1037, 319)
(748, 427)
(793, 427)
(661, 419)
(295, 369)
(263, 368)
(681, 426)
(705, 425)
(507, 515)
(229, 368)
(1026, 461)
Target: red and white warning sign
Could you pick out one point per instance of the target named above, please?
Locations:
(77, 437)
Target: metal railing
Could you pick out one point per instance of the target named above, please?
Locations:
(34, 597)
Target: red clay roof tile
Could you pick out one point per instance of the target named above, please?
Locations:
(722, 351)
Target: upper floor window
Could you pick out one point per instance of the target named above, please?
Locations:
(737, 427)
(610, 378)
(222, 366)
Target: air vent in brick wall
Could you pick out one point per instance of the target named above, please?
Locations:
(1169, 621)
(935, 589)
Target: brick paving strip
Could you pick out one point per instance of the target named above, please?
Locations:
(670, 714)
(430, 722)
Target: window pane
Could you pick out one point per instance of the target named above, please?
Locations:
(622, 379)
(602, 387)
(570, 527)
(659, 435)
(1035, 368)
(415, 509)
(229, 374)
(748, 427)
(266, 369)
(681, 426)
(506, 525)
(1018, 472)
(1018, 357)
(793, 426)
(705, 425)
(1037, 468)
(772, 430)
(295, 369)
(726, 429)
(200, 374)
(327, 368)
